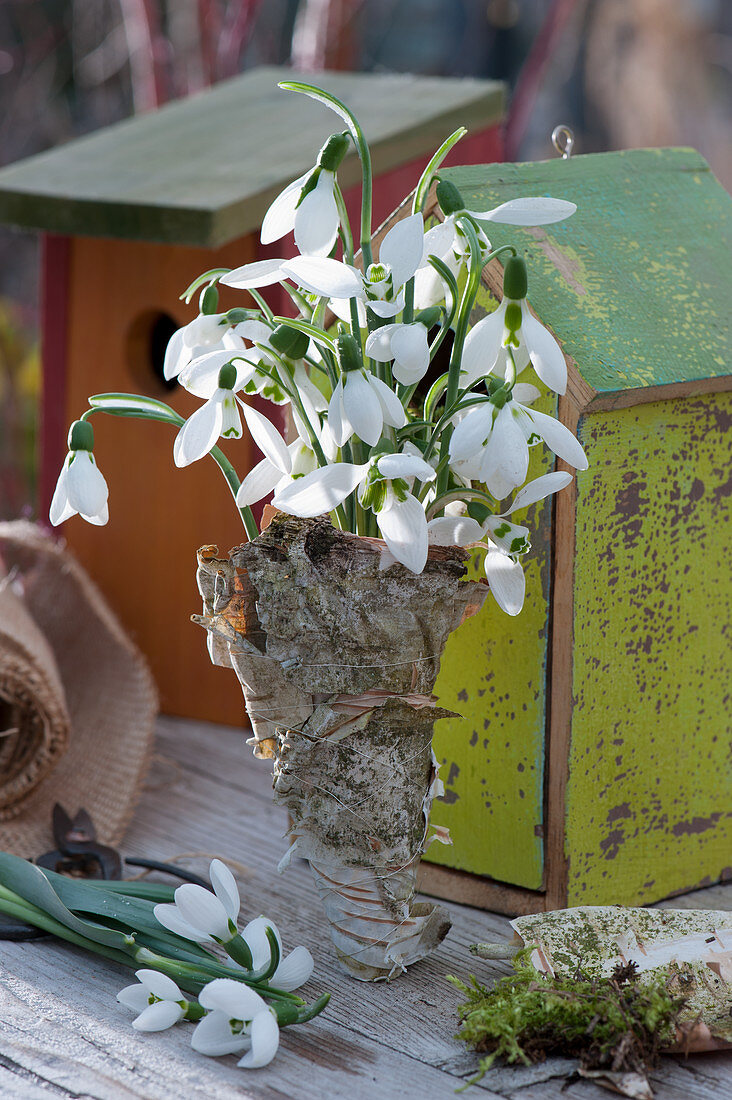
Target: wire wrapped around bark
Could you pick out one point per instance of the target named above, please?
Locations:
(337, 658)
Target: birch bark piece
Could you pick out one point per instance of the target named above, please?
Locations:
(337, 659)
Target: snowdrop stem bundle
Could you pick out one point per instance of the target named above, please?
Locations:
(380, 441)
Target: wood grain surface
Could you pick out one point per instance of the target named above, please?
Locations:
(62, 1033)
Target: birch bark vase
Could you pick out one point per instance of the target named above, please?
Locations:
(337, 658)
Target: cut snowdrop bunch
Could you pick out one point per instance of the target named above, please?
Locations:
(239, 1002)
(390, 447)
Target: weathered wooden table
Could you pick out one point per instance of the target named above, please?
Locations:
(62, 1034)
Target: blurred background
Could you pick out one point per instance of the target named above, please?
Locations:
(621, 73)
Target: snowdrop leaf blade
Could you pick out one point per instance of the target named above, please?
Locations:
(532, 210)
(135, 405)
(265, 1039)
(320, 491)
(329, 278)
(268, 439)
(403, 525)
(317, 220)
(159, 1016)
(294, 970)
(261, 273)
(506, 581)
(544, 352)
(199, 433)
(538, 489)
(280, 217)
(559, 439)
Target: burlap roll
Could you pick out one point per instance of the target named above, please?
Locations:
(75, 650)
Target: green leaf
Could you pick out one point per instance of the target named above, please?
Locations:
(425, 180)
(150, 891)
(211, 276)
(30, 883)
(327, 100)
(135, 405)
(434, 394)
(313, 331)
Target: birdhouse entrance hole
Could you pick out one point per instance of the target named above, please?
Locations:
(147, 339)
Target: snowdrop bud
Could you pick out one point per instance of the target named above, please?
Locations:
(515, 278)
(429, 317)
(227, 377)
(81, 436)
(289, 341)
(347, 349)
(333, 152)
(449, 198)
(208, 302)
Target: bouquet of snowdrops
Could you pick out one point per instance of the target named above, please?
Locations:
(388, 450)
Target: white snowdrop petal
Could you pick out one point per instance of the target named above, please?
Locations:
(294, 970)
(506, 581)
(544, 352)
(159, 1016)
(160, 985)
(255, 934)
(213, 1035)
(392, 409)
(321, 491)
(438, 240)
(454, 531)
(60, 509)
(324, 276)
(202, 909)
(507, 450)
(411, 348)
(230, 419)
(531, 210)
(524, 393)
(235, 999)
(177, 355)
(280, 217)
(101, 517)
(472, 431)
(260, 273)
(267, 438)
(87, 490)
(363, 407)
(378, 343)
(404, 527)
(201, 376)
(539, 488)
(170, 918)
(559, 439)
(317, 220)
(387, 309)
(225, 888)
(135, 997)
(338, 423)
(402, 248)
(258, 483)
(405, 465)
(200, 432)
(482, 347)
(265, 1039)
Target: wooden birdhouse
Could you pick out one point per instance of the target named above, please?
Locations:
(131, 215)
(593, 764)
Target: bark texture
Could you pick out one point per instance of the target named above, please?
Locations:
(337, 658)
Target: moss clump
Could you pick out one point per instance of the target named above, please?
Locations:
(616, 1024)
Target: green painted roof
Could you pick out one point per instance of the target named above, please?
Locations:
(202, 171)
(636, 285)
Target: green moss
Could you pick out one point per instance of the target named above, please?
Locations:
(613, 1023)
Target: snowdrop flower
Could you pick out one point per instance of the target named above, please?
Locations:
(491, 442)
(448, 242)
(265, 477)
(219, 416)
(361, 403)
(308, 205)
(384, 483)
(157, 1000)
(202, 916)
(204, 333)
(238, 1020)
(406, 345)
(381, 288)
(81, 488)
(292, 971)
(513, 326)
(504, 541)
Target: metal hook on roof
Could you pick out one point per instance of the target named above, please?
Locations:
(563, 141)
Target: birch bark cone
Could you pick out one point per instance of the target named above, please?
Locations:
(337, 658)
